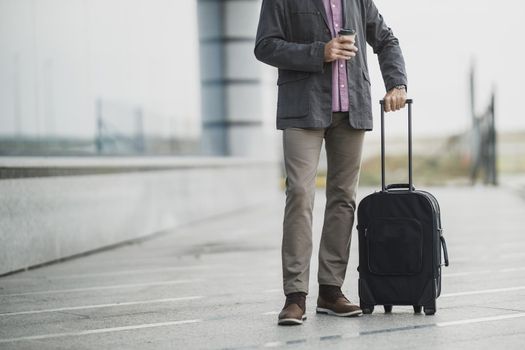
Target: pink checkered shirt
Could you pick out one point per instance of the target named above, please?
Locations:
(334, 13)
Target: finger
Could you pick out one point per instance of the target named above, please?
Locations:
(347, 45)
(400, 101)
(346, 39)
(344, 58)
(403, 102)
(395, 103)
(346, 53)
(339, 56)
(338, 42)
(387, 104)
(391, 104)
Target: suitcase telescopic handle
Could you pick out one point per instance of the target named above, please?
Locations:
(410, 185)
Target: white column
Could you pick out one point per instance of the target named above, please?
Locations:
(238, 103)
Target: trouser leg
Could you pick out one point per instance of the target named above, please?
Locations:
(301, 158)
(343, 150)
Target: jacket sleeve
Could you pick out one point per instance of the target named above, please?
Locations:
(386, 46)
(273, 48)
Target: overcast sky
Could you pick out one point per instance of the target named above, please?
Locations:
(439, 40)
(57, 57)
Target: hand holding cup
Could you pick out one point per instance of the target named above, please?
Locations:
(341, 47)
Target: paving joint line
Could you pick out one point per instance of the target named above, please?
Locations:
(129, 285)
(100, 306)
(378, 331)
(152, 301)
(269, 344)
(99, 331)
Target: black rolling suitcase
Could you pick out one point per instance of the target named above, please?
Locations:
(400, 241)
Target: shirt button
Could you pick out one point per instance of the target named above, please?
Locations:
(333, 5)
(341, 66)
(342, 86)
(337, 25)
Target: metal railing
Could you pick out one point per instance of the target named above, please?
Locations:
(112, 139)
(128, 129)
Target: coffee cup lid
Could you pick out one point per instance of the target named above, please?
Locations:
(346, 31)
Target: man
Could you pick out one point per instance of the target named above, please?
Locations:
(324, 94)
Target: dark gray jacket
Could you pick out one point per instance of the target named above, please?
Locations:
(291, 36)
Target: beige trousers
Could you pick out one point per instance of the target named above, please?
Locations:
(301, 158)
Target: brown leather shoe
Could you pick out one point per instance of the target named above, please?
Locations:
(293, 310)
(332, 301)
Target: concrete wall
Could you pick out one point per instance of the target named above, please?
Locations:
(97, 203)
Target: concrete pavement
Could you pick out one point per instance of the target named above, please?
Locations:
(216, 284)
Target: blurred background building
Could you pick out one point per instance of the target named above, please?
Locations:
(124, 118)
(132, 77)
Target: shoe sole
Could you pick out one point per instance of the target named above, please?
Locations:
(356, 313)
(291, 321)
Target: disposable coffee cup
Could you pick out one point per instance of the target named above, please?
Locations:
(347, 33)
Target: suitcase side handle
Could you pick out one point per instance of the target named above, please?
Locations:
(410, 181)
(445, 251)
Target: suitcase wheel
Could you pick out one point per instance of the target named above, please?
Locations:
(430, 308)
(430, 311)
(367, 309)
(388, 308)
(417, 309)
